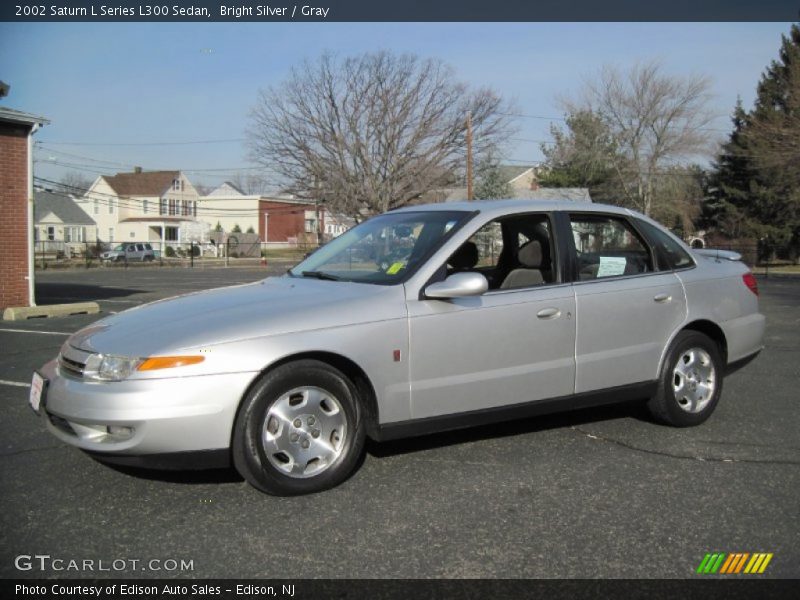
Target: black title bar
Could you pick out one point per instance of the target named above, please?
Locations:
(401, 10)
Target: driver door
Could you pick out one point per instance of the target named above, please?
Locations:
(505, 347)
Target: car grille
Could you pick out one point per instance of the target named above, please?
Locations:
(71, 367)
(72, 361)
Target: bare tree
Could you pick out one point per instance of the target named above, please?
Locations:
(76, 183)
(657, 122)
(250, 183)
(372, 131)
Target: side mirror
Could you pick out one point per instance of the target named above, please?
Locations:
(458, 285)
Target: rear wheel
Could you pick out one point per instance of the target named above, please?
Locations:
(299, 430)
(691, 381)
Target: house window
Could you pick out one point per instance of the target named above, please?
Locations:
(162, 206)
(176, 185)
(171, 234)
(194, 209)
(173, 206)
(310, 225)
(96, 207)
(74, 234)
(111, 207)
(51, 233)
(110, 234)
(133, 234)
(144, 206)
(184, 207)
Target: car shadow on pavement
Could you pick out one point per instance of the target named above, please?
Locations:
(62, 293)
(199, 477)
(634, 409)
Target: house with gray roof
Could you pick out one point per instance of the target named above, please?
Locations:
(61, 226)
(524, 185)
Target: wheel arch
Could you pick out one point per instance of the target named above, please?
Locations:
(348, 367)
(707, 328)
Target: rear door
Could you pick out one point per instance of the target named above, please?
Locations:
(626, 308)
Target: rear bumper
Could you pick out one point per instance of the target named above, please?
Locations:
(745, 336)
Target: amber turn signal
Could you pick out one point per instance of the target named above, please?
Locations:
(169, 362)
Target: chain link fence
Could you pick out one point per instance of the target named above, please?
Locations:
(230, 252)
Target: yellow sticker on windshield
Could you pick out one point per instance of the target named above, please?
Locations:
(394, 268)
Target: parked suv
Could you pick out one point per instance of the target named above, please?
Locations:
(130, 251)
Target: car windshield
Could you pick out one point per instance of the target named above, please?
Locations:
(119, 248)
(383, 249)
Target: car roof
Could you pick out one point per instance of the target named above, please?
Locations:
(497, 208)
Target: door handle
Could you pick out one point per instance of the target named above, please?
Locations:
(548, 313)
(662, 298)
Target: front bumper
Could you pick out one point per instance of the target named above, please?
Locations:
(146, 417)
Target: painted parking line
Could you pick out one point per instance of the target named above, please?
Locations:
(35, 331)
(15, 383)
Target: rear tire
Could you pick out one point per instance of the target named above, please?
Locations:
(691, 381)
(299, 430)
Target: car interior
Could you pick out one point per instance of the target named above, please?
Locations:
(608, 247)
(512, 252)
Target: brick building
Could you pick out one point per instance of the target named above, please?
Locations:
(16, 203)
(289, 221)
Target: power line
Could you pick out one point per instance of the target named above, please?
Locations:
(185, 143)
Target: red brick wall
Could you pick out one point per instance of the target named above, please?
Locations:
(14, 220)
(285, 220)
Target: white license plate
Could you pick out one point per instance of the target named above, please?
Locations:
(37, 391)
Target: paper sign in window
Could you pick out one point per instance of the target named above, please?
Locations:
(611, 266)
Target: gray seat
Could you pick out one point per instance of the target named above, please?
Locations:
(530, 259)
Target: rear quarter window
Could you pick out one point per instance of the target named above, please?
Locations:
(669, 253)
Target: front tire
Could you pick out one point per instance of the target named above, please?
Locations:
(299, 430)
(691, 381)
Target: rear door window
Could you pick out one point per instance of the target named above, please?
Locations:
(607, 246)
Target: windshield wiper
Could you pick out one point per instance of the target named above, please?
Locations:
(321, 275)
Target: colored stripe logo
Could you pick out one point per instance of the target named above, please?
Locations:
(735, 563)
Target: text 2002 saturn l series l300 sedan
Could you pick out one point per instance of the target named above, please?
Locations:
(419, 320)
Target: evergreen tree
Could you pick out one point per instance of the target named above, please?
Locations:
(756, 187)
(585, 155)
(491, 183)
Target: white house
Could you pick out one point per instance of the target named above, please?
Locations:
(149, 206)
(60, 224)
(229, 207)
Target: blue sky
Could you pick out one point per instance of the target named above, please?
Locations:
(122, 83)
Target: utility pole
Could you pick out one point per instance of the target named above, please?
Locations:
(469, 156)
(316, 208)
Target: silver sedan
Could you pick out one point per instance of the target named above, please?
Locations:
(420, 320)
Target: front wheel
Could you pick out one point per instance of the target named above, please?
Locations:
(299, 430)
(691, 381)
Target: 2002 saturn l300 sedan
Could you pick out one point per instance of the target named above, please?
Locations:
(419, 320)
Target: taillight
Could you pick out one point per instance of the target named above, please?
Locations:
(750, 281)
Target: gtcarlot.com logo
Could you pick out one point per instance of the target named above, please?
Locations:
(736, 563)
(45, 562)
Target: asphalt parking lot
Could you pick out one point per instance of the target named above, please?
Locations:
(595, 493)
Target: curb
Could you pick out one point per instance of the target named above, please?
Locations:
(21, 313)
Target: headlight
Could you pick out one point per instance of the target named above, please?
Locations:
(107, 367)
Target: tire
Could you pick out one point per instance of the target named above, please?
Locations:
(283, 456)
(690, 384)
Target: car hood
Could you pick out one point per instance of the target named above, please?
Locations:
(273, 306)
